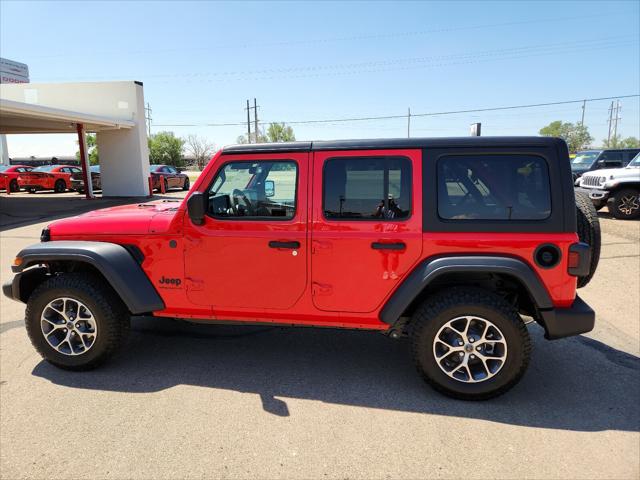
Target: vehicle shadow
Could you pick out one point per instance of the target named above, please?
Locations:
(576, 384)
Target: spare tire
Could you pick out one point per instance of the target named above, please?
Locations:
(588, 232)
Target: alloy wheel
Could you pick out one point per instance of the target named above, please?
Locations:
(68, 326)
(629, 204)
(470, 349)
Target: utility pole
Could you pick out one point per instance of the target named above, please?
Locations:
(616, 118)
(148, 117)
(610, 119)
(248, 122)
(584, 105)
(255, 117)
(408, 122)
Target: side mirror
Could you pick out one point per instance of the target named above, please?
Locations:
(197, 207)
(602, 161)
(269, 188)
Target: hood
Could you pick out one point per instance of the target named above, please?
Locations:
(615, 173)
(136, 219)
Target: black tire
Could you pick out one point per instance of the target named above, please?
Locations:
(60, 186)
(111, 317)
(31, 190)
(186, 184)
(166, 185)
(462, 301)
(625, 204)
(588, 232)
(13, 186)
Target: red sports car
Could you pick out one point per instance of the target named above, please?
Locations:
(9, 176)
(48, 177)
(171, 176)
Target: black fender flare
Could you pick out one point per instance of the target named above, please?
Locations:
(430, 269)
(113, 261)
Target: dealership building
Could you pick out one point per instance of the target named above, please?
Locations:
(114, 111)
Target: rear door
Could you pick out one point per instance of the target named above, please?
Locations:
(367, 226)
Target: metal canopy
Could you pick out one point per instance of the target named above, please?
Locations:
(19, 117)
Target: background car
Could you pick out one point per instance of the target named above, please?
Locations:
(77, 180)
(9, 176)
(171, 176)
(617, 188)
(48, 177)
(588, 160)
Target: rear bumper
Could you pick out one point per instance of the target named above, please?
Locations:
(565, 322)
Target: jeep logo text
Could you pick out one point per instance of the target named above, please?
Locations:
(170, 281)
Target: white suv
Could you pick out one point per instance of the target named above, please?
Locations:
(618, 188)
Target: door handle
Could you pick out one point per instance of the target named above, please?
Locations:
(277, 244)
(388, 246)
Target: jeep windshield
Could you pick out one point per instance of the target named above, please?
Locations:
(584, 160)
(635, 163)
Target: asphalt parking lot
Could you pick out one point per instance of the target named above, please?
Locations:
(185, 401)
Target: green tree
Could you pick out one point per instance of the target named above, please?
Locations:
(166, 148)
(276, 132)
(618, 142)
(576, 135)
(280, 132)
(92, 149)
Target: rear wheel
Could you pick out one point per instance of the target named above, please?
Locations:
(75, 322)
(625, 204)
(60, 186)
(186, 184)
(588, 226)
(13, 186)
(469, 343)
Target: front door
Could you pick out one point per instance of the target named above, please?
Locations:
(367, 226)
(251, 252)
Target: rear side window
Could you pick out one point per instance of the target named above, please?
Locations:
(367, 188)
(493, 187)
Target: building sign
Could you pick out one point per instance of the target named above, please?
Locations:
(13, 72)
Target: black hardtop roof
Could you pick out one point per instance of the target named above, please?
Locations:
(391, 143)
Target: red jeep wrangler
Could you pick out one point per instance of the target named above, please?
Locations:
(447, 241)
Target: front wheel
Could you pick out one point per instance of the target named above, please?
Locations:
(186, 184)
(625, 204)
(469, 343)
(76, 322)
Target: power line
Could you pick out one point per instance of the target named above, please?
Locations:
(390, 117)
(364, 37)
(396, 63)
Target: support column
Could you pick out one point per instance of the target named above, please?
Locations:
(84, 162)
(4, 150)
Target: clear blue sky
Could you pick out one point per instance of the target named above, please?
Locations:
(200, 61)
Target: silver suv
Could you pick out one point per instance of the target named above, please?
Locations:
(618, 188)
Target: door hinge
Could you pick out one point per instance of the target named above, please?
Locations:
(319, 289)
(194, 284)
(319, 246)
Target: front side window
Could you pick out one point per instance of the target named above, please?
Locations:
(367, 188)
(262, 189)
(493, 187)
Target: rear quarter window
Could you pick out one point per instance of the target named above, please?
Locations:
(499, 187)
